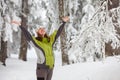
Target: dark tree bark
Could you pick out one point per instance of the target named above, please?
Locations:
(23, 48)
(3, 50)
(115, 4)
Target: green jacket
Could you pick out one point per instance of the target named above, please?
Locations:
(44, 46)
(47, 48)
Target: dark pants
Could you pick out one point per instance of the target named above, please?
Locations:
(43, 72)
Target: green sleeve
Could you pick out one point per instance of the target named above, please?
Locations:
(52, 36)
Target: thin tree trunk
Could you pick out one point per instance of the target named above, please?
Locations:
(64, 48)
(23, 48)
(3, 51)
(63, 35)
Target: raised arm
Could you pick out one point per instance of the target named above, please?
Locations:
(65, 19)
(26, 33)
(60, 30)
(24, 30)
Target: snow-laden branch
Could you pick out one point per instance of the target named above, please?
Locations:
(95, 33)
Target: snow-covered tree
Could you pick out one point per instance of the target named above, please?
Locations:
(6, 30)
(100, 29)
(14, 13)
(43, 13)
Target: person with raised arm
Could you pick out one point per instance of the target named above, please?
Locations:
(43, 45)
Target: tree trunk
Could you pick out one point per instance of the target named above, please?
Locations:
(108, 49)
(23, 48)
(64, 48)
(3, 51)
(63, 36)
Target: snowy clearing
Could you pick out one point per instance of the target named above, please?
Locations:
(109, 69)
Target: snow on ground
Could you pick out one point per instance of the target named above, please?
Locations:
(16, 69)
(104, 70)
